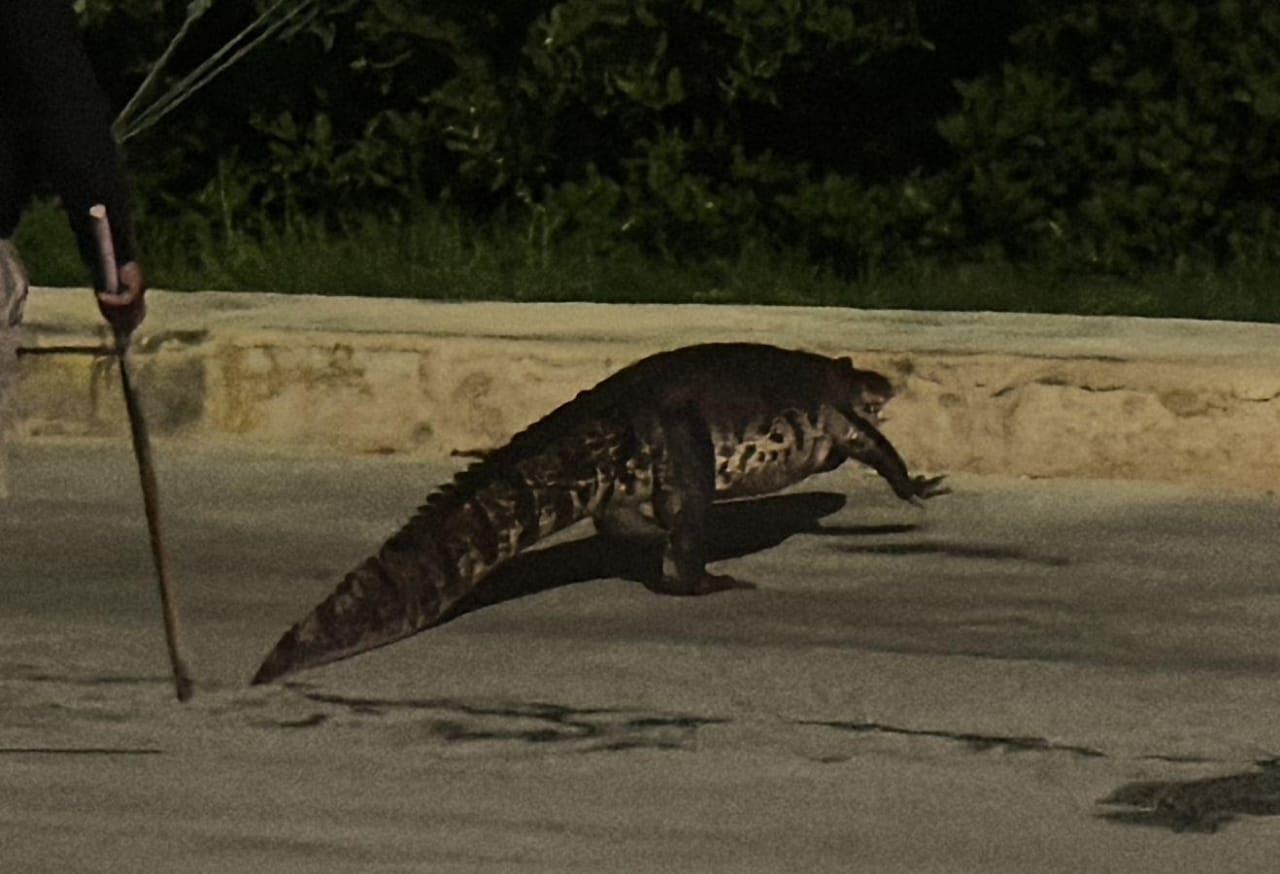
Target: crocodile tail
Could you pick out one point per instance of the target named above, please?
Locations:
(387, 597)
(490, 512)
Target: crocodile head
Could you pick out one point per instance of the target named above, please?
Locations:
(862, 392)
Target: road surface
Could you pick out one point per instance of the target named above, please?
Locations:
(1027, 675)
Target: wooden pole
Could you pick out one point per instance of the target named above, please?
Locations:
(146, 469)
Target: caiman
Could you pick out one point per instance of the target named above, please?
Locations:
(643, 453)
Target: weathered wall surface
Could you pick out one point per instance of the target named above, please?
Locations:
(980, 392)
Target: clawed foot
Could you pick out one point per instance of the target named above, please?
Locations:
(930, 486)
(707, 584)
(925, 487)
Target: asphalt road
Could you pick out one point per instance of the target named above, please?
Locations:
(1028, 675)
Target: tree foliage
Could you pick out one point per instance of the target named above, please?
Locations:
(857, 133)
(1123, 135)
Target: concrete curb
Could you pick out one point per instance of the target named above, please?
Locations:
(1010, 394)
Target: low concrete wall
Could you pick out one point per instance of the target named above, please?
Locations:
(979, 392)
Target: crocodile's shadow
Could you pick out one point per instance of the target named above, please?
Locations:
(735, 529)
(1203, 805)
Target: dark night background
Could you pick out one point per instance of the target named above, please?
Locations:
(860, 137)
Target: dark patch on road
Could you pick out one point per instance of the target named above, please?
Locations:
(1177, 759)
(864, 530)
(309, 721)
(531, 723)
(734, 529)
(957, 550)
(976, 742)
(1203, 805)
(34, 674)
(78, 751)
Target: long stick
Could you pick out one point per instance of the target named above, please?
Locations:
(146, 470)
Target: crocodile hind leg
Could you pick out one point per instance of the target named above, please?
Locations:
(684, 485)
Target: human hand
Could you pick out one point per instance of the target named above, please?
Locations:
(125, 308)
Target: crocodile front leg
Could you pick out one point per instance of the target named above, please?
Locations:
(684, 486)
(858, 439)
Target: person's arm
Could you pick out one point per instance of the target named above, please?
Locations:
(68, 122)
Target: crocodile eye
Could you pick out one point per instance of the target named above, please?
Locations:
(873, 410)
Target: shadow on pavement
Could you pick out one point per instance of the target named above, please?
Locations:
(735, 529)
(515, 723)
(958, 550)
(1198, 805)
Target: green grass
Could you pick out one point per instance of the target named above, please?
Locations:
(438, 256)
(49, 251)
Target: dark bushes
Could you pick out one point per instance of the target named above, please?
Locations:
(1127, 135)
(857, 136)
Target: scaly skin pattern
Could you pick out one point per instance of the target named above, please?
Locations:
(644, 453)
